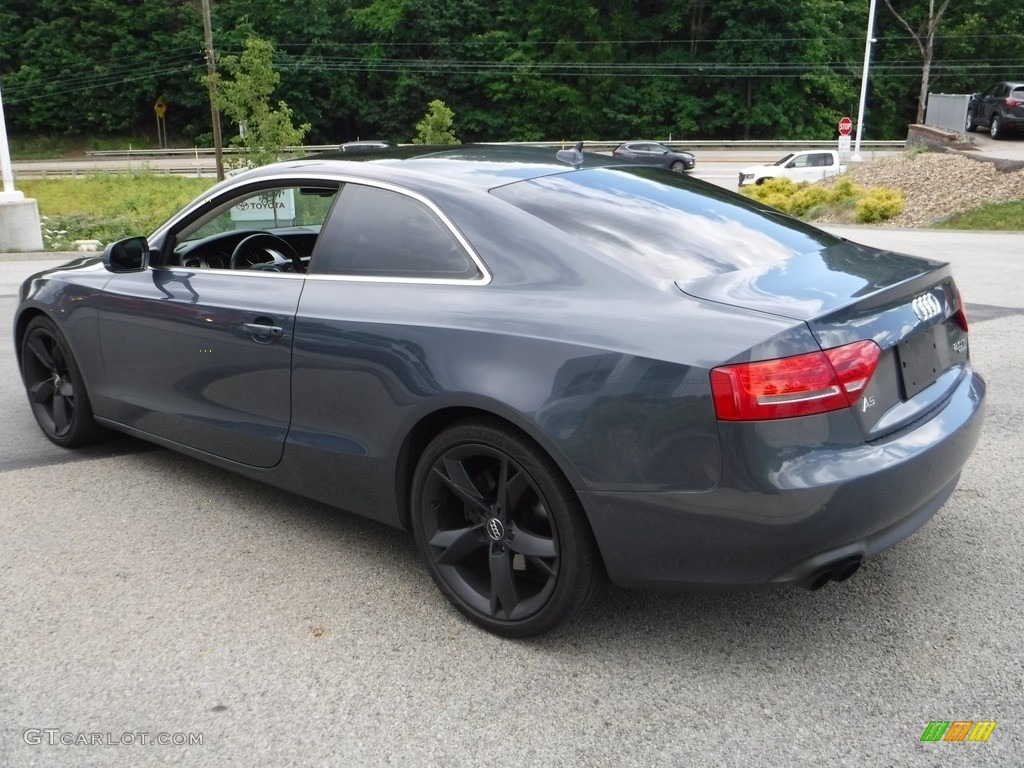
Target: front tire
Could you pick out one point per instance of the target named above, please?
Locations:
(678, 166)
(502, 533)
(995, 130)
(969, 124)
(54, 386)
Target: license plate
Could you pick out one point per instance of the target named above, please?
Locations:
(919, 361)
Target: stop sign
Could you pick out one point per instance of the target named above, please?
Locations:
(845, 126)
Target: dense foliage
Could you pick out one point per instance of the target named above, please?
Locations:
(508, 69)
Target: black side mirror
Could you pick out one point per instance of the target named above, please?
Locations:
(131, 255)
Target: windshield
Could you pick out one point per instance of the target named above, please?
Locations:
(665, 225)
(784, 160)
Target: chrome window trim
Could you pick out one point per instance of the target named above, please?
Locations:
(293, 179)
(217, 271)
(402, 280)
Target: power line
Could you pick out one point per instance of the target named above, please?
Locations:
(90, 77)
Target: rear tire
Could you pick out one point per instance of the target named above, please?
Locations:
(54, 386)
(501, 531)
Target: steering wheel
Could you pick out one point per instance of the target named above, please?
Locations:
(264, 248)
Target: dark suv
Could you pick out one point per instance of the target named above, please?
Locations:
(1000, 109)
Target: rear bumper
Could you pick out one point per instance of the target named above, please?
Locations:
(777, 519)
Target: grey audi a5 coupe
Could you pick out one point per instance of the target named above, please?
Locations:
(556, 371)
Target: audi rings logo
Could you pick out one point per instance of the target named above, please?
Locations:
(495, 529)
(926, 307)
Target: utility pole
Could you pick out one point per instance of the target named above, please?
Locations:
(864, 80)
(5, 159)
(211, 70)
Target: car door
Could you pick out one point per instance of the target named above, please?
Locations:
(198, 352)
(646, 152)
(370, 342)
(990, 101)
(824, 165)
(800, 168)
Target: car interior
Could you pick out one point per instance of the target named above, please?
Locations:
(269, 230)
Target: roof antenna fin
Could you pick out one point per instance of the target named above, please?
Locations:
(573, 157)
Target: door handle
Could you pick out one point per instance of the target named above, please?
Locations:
(264, 333)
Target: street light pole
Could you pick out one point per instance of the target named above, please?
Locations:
(211, 70)
(5, 157)
(19, 215)
(864, 81)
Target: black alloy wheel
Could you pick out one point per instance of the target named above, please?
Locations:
(54, 386)
(501, 531)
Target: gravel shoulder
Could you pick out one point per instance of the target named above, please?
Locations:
(936, 185)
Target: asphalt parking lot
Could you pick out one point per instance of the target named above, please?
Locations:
(146, 595)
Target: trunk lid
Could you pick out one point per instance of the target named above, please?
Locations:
(909, 306)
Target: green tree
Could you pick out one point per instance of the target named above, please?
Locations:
(511, 69)
(924, 38)
(773, 69)
(436, 125)
(264, 130)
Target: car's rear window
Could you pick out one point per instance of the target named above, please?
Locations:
(663, 224)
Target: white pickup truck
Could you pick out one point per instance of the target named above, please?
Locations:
(808, 165)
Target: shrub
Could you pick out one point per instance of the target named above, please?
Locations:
(807, 198)
(436, 125)
(844, 189)
(878, 204)
(841, 200)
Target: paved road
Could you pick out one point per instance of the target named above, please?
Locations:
(719, 166)
(147, 593)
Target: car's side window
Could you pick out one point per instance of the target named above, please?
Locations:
(381, 233)
(266, 228)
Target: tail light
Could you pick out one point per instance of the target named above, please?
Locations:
(959, 315)
(1011, 102)
(960, 318)
(802, 385)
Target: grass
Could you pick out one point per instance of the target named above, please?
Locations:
(42, 147)
(994, 216)
(108, 207)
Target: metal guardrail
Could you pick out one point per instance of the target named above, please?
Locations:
(199, 161)
(596, 146)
